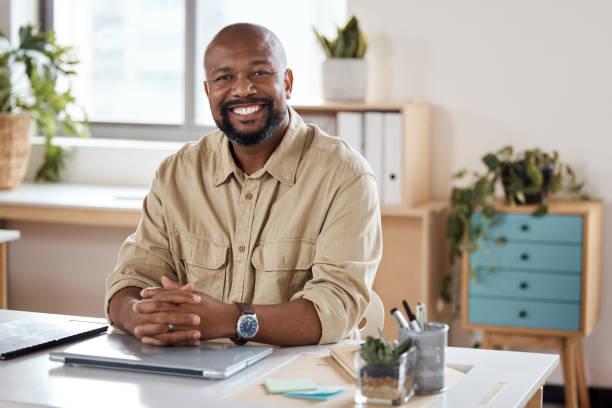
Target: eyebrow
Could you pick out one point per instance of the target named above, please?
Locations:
(222, 69)
(261, 62)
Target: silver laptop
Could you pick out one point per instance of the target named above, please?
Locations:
(124, 352)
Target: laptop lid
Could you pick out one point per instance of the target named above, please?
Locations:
(122, 351)
(19, 337)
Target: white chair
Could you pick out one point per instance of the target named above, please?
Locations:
(374, 317)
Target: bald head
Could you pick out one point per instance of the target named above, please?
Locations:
(254, 34)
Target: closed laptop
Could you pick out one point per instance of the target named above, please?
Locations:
(125, 352)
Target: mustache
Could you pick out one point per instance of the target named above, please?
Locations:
(226, 106)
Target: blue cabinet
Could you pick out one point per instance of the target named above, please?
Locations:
(528, 273)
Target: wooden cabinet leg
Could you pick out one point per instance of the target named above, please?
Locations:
(3, 280)
(486, 341)
(568, 359)
(583, 391)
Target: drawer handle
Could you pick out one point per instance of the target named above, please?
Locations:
(524, 227)
(523, 314)
(524, 285)
(524, 257)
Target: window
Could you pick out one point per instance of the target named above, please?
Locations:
(141, 70)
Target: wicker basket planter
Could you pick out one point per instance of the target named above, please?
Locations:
(14, 149)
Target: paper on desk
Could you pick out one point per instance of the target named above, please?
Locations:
(282, 385)
(327, 373)
(321, 393)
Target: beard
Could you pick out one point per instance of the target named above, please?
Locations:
(275, 117)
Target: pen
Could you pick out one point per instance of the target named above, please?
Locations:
(399, 318)
(421, 315)
(413, 323)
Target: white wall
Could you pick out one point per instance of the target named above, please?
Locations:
(529, 73)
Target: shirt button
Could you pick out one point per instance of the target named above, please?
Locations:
(241, 248)
(248, 196)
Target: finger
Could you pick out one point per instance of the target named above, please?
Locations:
(171, 295)
(153, 329)
(188, 287)
(152, 306)
(169, 283)
(162, 317)
(177, 337)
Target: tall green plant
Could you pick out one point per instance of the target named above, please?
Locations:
(350, 42)
(29, 75)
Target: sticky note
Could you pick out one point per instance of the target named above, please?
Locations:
(321, 393)
(279, 386)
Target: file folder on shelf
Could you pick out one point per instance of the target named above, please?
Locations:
(392, 163)
(373, 146)
(349, 126)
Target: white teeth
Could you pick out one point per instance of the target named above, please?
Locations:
(246, 110)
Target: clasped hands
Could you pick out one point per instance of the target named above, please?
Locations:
(173, 315)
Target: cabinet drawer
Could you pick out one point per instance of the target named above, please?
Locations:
(523, 313)
(551, 227)
(562, 258)
(527, 285)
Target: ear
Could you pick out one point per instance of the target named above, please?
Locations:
(206, 87)
(288, 82)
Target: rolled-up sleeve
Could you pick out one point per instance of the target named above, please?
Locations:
(144, 256)
(348, 251)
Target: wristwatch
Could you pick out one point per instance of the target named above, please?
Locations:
(247, 324)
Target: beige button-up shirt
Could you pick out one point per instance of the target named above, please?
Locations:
(306, 225)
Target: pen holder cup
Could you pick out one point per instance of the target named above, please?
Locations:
(430, 372)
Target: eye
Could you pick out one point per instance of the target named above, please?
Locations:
(223, 77)
(260, 72)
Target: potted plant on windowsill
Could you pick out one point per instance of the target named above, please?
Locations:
(29, 90)
(527, 177)
(345, 69)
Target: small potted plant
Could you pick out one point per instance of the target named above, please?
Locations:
(385, 371)
(345, 69)
(527, 177)
(30, 76)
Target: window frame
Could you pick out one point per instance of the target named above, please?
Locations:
(187, 131)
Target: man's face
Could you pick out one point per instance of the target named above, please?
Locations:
(247, 87)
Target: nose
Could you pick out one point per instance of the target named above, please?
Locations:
(243, 87)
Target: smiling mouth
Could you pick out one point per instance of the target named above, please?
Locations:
(246, 110)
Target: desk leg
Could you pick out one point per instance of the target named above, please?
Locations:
(583, 391)
(536, 400)
(3, 281)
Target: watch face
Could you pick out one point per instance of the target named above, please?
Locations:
(247, 326)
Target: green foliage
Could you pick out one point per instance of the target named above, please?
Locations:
(350, 42)
(503, 166)
(29, 75)
(381, 352)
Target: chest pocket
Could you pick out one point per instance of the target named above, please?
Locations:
(205, 262)
(281, 269)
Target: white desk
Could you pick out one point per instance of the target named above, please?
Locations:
(5, 236)
(34, 380)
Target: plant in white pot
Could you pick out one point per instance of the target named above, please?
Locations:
(345, 70)
(29, 89)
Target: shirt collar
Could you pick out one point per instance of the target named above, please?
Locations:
(282, 164)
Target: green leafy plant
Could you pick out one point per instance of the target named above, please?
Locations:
(350, 42)
(29, 75)
(381, 352)
(528, 177)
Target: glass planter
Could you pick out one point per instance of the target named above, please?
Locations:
(390, 384)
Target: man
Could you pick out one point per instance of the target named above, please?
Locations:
(266, 230)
